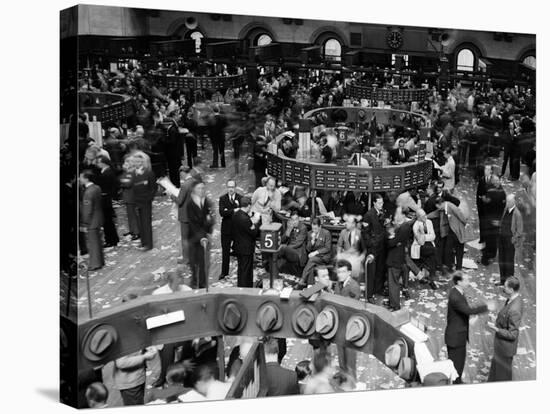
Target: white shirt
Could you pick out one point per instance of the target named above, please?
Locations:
(427, 236)
(163, 290)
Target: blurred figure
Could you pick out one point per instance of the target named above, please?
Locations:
(245, 231)
(205, 386)
(266, 200)
(201, 224)
(494, 202)
(97, 395)
(321, 372)
(483, 185)
(303, 374)
(510, 238)
(126, 183)
(144, 189)
(350, 245)
(91, 220)
(424, 243)
(182, 200)
(217, 136)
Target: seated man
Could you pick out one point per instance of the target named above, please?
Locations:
(293, 248)
(400, 154)
(318, 249)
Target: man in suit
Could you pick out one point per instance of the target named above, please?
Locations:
(483, 185)
(229, 204)
(510, 238)
(245, 231)
(201, 223)
(293, 247)
(107, 182)
(91, 220)
(374, 237)
(506, 330)
(447, 170)
(400, 154)
(398, 236)
(174, 148)
(217, 136)
(280, 381)
(458, 318)
(350, 239)
(186, 183)
(347, 287)
(494, 204)
(318, 249)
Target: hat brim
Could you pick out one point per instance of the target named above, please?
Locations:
(330, 334)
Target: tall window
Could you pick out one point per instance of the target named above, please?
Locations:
(263, 40)
(530, 61)
(197, 37)
(465, 60)
(405, 60)
(332, 49)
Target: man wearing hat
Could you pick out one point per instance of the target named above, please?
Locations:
(506, 329)
(348, 287)
(458, 322)
(245, 231)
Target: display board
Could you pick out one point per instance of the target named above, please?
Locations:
(201, 82)
(350, 178)
(383, 94)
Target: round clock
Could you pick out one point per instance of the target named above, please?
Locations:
(394, 39)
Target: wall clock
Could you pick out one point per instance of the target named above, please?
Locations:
(394, 39)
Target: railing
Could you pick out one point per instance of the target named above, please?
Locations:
(106, 107)
(251, 381)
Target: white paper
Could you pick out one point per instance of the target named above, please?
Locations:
(169, 186)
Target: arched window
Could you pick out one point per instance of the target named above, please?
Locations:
(530, 61)
(332, 49)
(465, 60)
(197, 37)
(263, 39)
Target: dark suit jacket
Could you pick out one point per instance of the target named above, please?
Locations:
(280, 381)
(144, 187)
(396, 246)
(508, 322)
(91, 213)
(482, 188)
(323, 245)
(351, 290)
(182, 200)
(107, 182)
(344, 244)
(354, 206)
(375, 233)
(497, 202)
(395, 157)
(458, 318)
(297, 241)
(226, 208)
(199, 223)
(244, 237)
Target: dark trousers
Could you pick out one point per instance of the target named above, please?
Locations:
(506, 253)
(167, 356)
(82, 243)
(109, 229)
(218, 148)
(282, 349)
(133, 221)
(491, 243)
(458, 356)
(347, 359)
(191, 149)
(482, 223)
(95, 248)
(308, 274)
(514, 165)
(174, 164)
(133, 396)
(245, 275)
(379, 272)
(505, 160)
(454, 251)
(439, 250)
(393, 286)
(227, 239)
(198, 266)
(427, 259)
(145, 220)
(184, 229)
(288, 256)
(501, 368)
(370, 276)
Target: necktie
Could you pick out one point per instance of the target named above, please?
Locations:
(350, 238)
(507, 302)
(425, 228)
(401, 154)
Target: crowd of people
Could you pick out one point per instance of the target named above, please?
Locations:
(401, 241)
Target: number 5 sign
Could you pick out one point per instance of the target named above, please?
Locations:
(270, 235)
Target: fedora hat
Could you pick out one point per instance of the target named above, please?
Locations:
(269, 317)
(232, 316)
(407, 369)
(357, 330)
(403, 347)
(326, 323)
(396, 352)
(303, 320)
(435, 378)
(99, 341)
